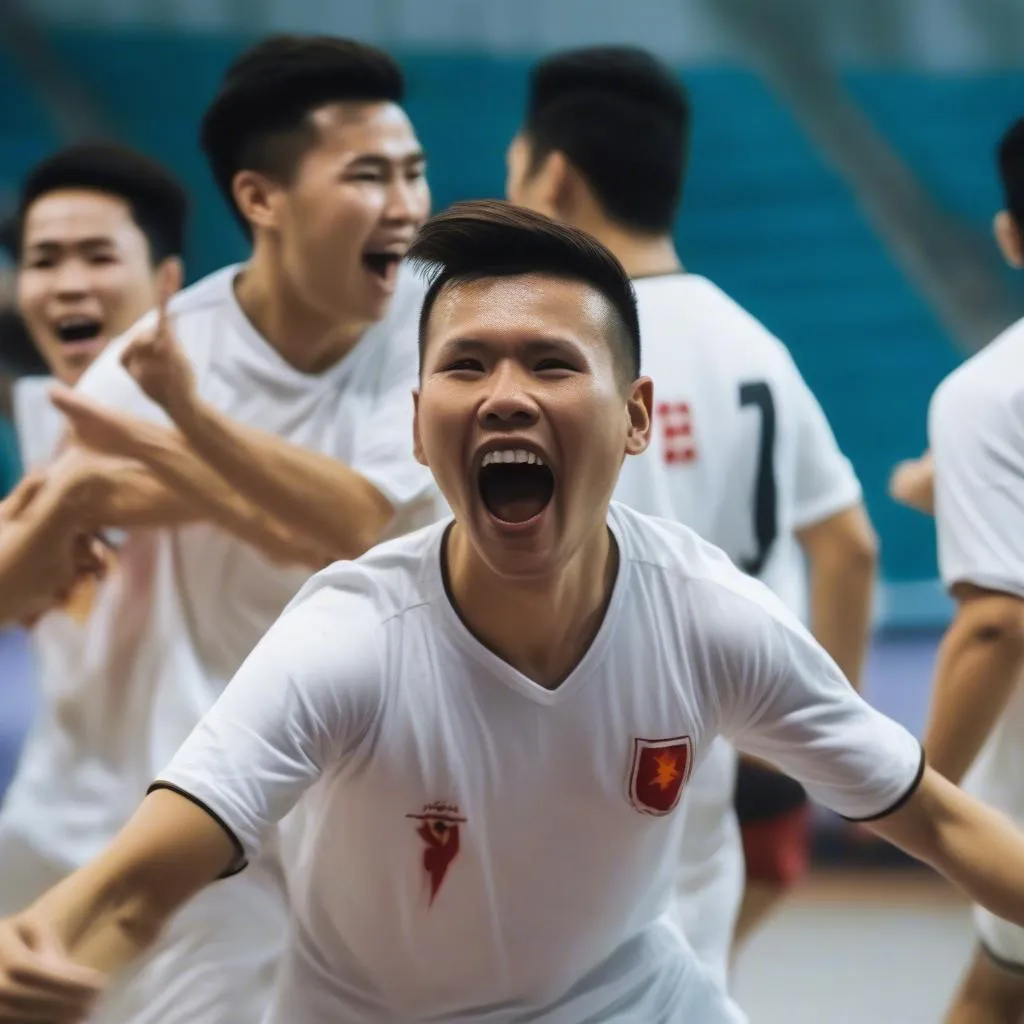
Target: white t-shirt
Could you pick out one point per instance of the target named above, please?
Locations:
(480, 848)
(741, 451)
(200, 599)
(743, 454)
(976, 435)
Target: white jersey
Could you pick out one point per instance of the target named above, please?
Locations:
(744, 455)
(480, 848)
(37, 423)
(198, 598)
(976, 435)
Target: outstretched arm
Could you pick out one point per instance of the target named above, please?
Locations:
(976, 848)
(55, 955)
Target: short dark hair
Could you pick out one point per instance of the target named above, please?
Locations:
(259, 119)
(1011, 170)
(156, 199)
(623, 120)
(490, 238)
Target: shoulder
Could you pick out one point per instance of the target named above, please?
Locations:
(382, 585)
(705, 591)
(985, 394)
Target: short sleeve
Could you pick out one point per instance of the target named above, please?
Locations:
(825, 481)
(783, 699)
(109, 383)
(304, 698)
(978, 450)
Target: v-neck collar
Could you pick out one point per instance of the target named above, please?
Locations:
(466, 642)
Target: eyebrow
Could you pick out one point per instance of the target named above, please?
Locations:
(93, 242)
(384, 162)
(470, 346)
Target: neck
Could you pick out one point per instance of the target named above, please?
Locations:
(305, 337)
(541, 627)
(640, 255)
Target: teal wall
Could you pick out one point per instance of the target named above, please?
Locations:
(763, 215)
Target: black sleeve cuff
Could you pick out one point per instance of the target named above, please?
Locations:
(240, 863)
(911, 790)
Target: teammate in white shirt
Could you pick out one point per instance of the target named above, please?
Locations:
(491, 723)
(312, 340)
(99, 232)
(741, 450)
(976, 726)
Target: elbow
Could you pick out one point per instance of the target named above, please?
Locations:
(993, 619)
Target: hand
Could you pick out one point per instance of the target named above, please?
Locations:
(39, 981)
(159, 366)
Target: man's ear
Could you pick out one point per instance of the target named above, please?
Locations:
(417, 444)
(1009, 238)
(254, 195)
(640, 412)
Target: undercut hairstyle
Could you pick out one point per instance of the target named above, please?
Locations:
(260, 118)
(1011, 170)
(622, 119)
(489, 238)
(156, 199)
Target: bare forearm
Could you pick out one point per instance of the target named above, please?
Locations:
(975, 847)
(975, 675)
(184, 472)
(310, 492)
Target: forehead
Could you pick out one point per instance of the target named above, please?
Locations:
(70, 214)
(520, 309)
(355, 129)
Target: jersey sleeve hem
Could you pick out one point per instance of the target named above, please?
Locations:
(241, 862)
(900, 801)
(986, 581)
(831, 505)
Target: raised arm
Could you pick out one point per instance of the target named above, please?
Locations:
(339, 506)
(164, 483)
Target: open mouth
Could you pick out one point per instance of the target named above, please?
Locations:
(515, 485)
(78, 329)
(382, 264)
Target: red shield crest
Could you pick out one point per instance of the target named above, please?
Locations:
(659, 772)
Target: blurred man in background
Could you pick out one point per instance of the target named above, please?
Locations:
(98, 234)
(313, 340)
(741, 450)
(976, 725)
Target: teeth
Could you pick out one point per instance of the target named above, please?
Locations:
(512, 455)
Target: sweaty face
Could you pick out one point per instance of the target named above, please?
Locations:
(352, 210)
(523, 419)
(85, 276)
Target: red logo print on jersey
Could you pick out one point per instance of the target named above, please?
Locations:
(658, 773)
(678, 444)
(439, 830)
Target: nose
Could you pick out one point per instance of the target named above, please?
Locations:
(407, 201)
(508, 402)
(71, 278)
